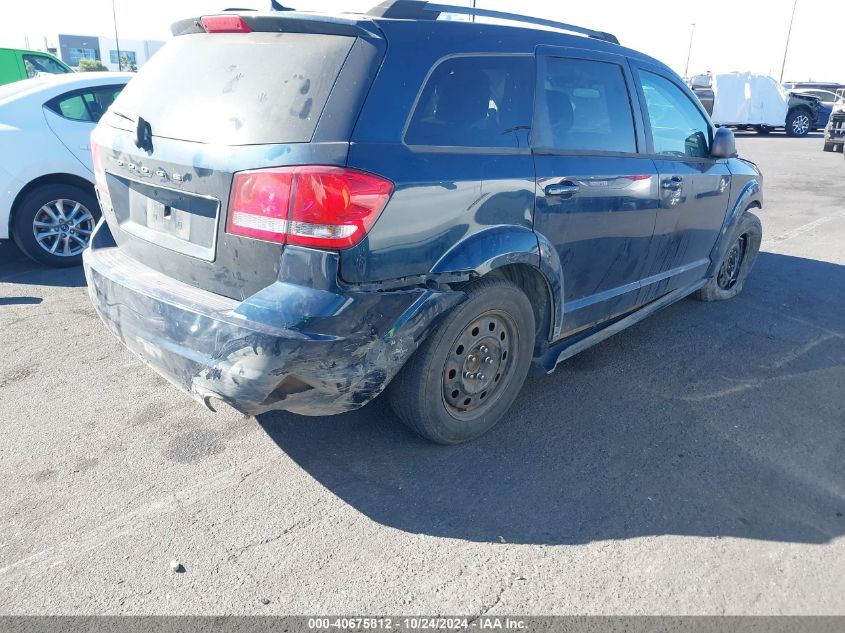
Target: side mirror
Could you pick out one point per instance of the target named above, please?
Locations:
(724, 143)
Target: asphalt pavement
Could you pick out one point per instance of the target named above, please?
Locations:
(693, 464)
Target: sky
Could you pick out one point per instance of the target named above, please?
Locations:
(743, 35)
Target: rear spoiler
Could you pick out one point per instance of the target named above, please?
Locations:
(288, 21)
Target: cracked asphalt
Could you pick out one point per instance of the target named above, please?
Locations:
(693, 464)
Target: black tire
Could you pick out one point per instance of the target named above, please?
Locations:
(798, 122)
(744, 242)
(763, 129)
(830, 147)
(58, 200)
(423, 393)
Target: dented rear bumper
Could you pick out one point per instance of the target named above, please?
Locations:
(313, 351)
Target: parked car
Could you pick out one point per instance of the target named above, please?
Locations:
(834, 132)
(47, 201)
(371, 202)
(17, 64)
(827, 100)
(746, 100)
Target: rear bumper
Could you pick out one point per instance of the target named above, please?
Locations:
(291, 347)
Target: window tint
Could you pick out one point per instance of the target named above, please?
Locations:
(99, 100)
(677, 127)
(480, 101)
(35, 64)
(584, 106)
(74, 108)
(85, 106)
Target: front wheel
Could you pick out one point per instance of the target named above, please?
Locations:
(53, 224)
(737, 262)
(466, 375)
(798, 123)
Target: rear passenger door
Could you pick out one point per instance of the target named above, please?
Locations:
(694, 188)
(597, 193)
(73, 115)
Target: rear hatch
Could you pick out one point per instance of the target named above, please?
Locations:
(210, 104)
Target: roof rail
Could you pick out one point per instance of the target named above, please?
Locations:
(416, 10)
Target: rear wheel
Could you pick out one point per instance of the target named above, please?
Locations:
(737, 261)
(466, 375)
(53, 224)
(798, 123)
(829, 147)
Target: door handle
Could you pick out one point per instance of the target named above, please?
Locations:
(565, 188)
(673, 184)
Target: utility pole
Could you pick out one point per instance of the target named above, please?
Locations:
(472, 17)
(116, 41)
(788, 36)
(689, 52)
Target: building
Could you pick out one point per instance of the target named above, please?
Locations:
(73, 48)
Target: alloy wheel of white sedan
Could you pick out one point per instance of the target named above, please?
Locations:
(63, 227)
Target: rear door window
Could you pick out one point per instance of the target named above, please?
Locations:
(475, 101)
(72, 108)
(84, 105)
(235, 88)
(584, 106)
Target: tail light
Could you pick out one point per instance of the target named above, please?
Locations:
(224, 24)
(323, 207)
(99, 170)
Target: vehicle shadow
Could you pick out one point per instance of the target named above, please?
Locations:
(17, 268)
(711, 419)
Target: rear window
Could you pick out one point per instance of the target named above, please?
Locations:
(235, 89)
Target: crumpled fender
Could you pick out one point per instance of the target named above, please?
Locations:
(751, 195)
(502, 245)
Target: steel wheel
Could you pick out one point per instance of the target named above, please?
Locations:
(479, 362)
(801, 125)
(732, 264)
(63, 227)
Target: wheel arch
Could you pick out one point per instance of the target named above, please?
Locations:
(523, 257)
(751, 197)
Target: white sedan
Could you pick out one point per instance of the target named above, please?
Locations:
(47, 201)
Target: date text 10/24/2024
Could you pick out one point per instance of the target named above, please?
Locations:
(483, 623)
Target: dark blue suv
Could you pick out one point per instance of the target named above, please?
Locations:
(301, 211)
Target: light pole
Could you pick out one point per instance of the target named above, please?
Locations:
(689, 52)
(788, 36)
(116, 41)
